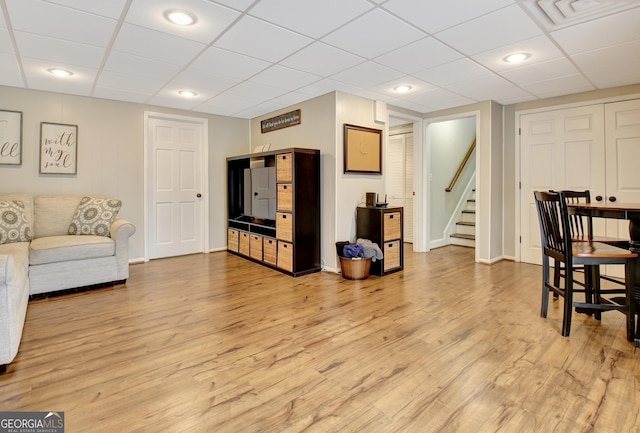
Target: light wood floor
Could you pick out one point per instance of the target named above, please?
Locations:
(214, 343)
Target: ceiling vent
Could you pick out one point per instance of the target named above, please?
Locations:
(556, 14)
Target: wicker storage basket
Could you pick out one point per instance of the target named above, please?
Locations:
(356, 268)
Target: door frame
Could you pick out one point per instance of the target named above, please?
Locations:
(204, 123)
(518, 157)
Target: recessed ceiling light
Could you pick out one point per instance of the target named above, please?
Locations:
(58, 72)
(180, 17)
(402, 89)
(187, 93)
(516, 58)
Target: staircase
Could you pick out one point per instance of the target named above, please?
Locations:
(465, 234)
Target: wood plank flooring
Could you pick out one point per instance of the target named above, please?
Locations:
(215, 343)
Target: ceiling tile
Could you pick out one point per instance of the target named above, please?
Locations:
(284, 78)
(259, 110)
(203, 83)
(259, 39)
(418, 56)
(169, 97)
(58, 50)
(418, 88)
(120, 95)
(325, 86)
(60, 22)
(109, 9)
(367, 74)
(540, 48)
(9, 71)
(156, 45)
(322, 59)
(227, 63)
(435, 15)
(239, 5)
(130, 64)
(490, 31)
(611, 66)
(559, 86)
(611, 30)
(250, 89)
(227, 105)
(310, 17)
(453, 72)
(79, 83)
(6, 46)
(363, 35)
(490, 87)
(130, 83)
(540, 71)
(212, 19)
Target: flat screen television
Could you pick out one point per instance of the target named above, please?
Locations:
(260, 192)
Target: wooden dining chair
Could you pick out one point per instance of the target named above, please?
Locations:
(553, 217)
(582, 231)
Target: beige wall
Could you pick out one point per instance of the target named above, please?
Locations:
(322, 128)
(111, 154)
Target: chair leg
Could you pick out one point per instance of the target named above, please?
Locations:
(630, 283)
(595, 289)
(556, 276)
(568, 301)
(545, 289)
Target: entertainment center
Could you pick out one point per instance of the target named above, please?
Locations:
(273, 207)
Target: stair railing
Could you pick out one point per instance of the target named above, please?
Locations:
(462, 165)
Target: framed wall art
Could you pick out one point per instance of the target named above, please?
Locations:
(10, 137)
(362, 150)
(58, 148)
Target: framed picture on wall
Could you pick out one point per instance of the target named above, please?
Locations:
(10, 137)
(58, 148)
(362, 150)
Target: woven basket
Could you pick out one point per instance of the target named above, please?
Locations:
(356, 268)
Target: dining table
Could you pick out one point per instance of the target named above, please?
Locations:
(618, 210)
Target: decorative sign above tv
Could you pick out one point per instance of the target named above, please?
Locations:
(282, 121)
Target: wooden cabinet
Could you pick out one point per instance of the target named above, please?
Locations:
(382, 226)
(286, 237)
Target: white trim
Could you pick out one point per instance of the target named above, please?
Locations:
(204, 123)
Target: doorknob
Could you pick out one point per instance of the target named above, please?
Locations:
(612, 198)
(598, 198)
(198, 195)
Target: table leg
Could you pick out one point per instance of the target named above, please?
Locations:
(634, 247)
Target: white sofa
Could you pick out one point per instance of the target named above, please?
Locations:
(54, 260)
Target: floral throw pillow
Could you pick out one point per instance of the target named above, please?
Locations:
(94, 216)
(14, 226)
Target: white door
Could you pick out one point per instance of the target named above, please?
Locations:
(399, 167)
(622, 131)
(560, 149)
(175, 186)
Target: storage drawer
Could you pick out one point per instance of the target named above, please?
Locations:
(232, 240)
(391, 226)
(284, 226)
(255, 247)
(391, 252)
(284, 167)
(285, 256)
(269, 251)
(285, 196)
(244, 243)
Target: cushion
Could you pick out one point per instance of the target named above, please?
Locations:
(94, 216)
(55, 249)
(53, 213)
(14, 225)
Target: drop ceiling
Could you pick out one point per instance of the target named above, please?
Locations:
(245, 58)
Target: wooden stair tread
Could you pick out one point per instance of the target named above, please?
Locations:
(463, 236)
(466, 223)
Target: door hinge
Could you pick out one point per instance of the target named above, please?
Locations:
(520, 239)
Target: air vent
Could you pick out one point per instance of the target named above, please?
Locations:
(556, 14)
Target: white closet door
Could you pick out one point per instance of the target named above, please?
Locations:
(622, 131)
(399, 167)
(559, 149)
